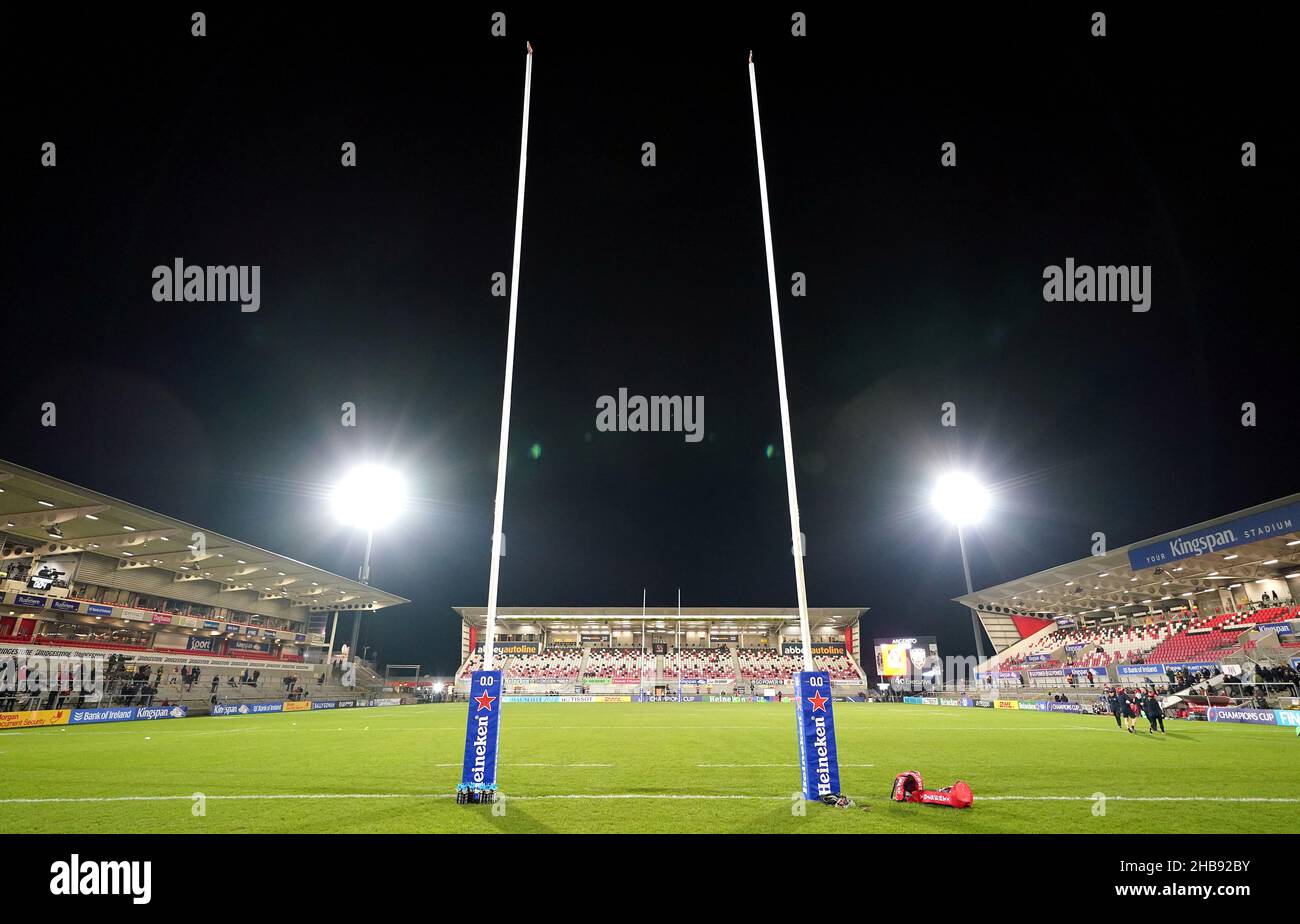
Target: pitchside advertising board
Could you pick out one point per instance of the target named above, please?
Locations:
(1224, 536)
(1159, 670)
(818, 761)
(1289, 718)
(1096, 673)
(40, 717)
(300, 705)
(479, 773)
(125, 714)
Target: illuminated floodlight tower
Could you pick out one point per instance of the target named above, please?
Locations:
(962, 501)
(369, 497)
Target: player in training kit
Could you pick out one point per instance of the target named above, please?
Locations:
(1118, 706)
(1155, 714)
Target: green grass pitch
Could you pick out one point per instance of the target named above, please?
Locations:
(393, 770)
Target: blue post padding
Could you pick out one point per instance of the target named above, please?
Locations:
(818, 761)
(480, 770)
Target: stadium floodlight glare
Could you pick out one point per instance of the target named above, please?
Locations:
(963, 501)
(960, 499)
(369, 497)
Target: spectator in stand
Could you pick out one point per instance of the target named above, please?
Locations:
(215, 682)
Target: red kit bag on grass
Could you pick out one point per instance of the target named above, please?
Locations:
(906, 785)
(909, 787)
(958, 795)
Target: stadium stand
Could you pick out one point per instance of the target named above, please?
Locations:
(764, 664)
(840, 667)
(619, 665)
(700, 664)
(1101, 646)
(553, 665)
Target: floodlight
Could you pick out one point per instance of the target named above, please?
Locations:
(369, 497)
(960, 498)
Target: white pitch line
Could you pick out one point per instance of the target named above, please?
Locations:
(1135, 799)
(604, 796)
(641, 795)
(509, 765)
(787, 766)
(251, 797)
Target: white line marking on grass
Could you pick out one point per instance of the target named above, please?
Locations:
(271, 797)
(1013, 729)
(236, 798)
(509, 764)
(1287, 800)
(643, 795)
(747, 766)
(631, 727)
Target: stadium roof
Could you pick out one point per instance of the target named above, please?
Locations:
(1258, 543)
(56, 517)
(818, 617)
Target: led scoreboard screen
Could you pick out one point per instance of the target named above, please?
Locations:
(909, 656)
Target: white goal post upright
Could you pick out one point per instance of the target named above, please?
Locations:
(498, 510)
(478, 780)
(818, 759)
(796, 535)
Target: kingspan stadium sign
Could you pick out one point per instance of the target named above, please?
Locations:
(1226, 535)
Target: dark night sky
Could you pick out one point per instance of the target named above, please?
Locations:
(924, 286)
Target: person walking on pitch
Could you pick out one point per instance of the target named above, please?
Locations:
(1155, 714)
(1118, 706)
